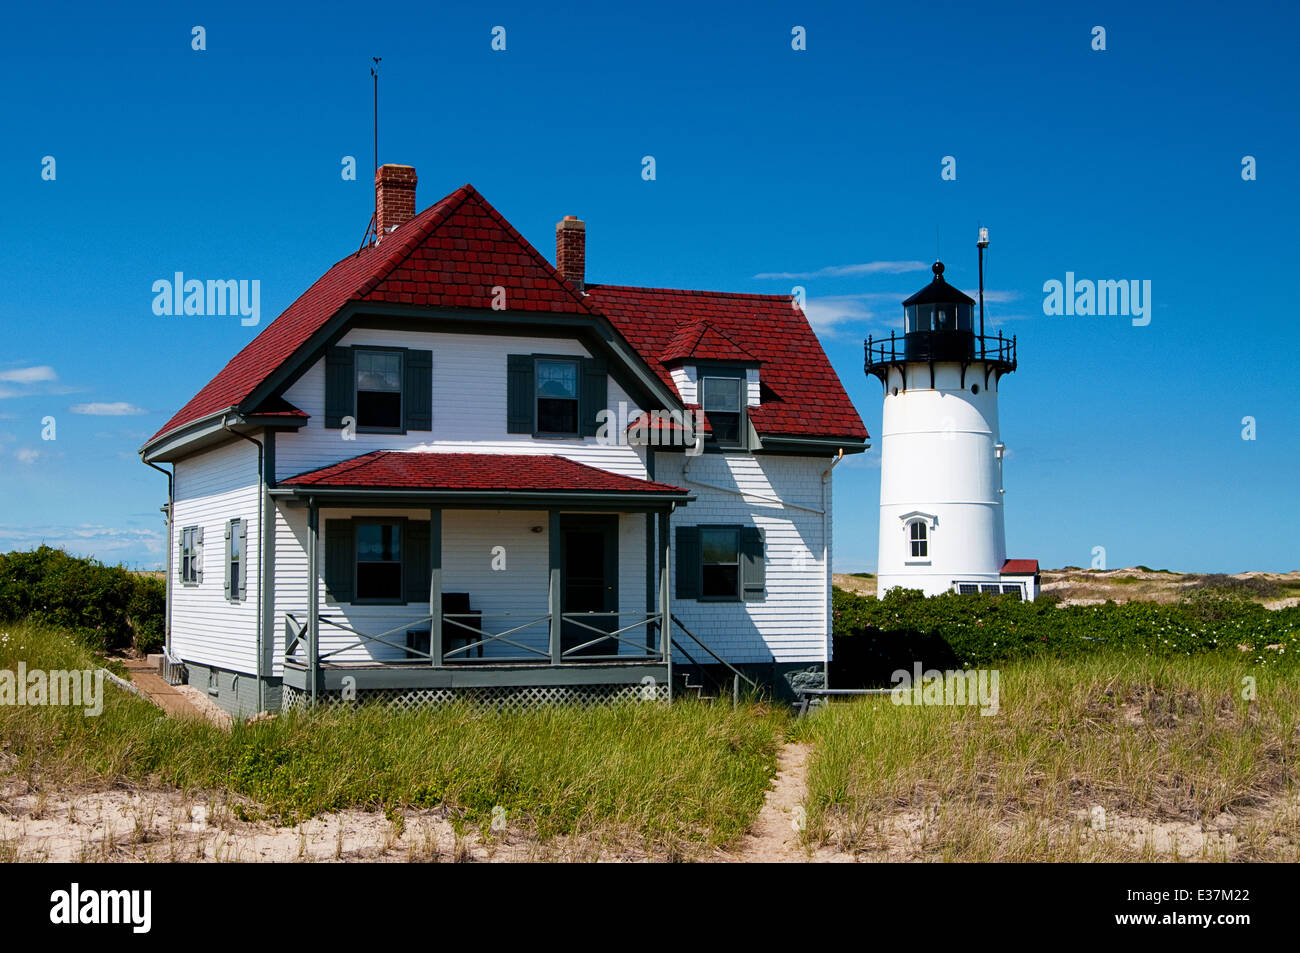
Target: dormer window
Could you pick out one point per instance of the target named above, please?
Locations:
(723, 401)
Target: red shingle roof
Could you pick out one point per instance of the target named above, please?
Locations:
(1020, 567)
(279, 407)
(418, 470)
(453, 253)
(802, 396)
(450, 255)
(702, 341)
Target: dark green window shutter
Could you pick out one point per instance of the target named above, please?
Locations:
(415, 561)
(520, 391)
(229, 527)
(417, 396)
(753, 572)
(340, 560)
(340, 387)
(242, 581)
(688, 562)
(594, 395)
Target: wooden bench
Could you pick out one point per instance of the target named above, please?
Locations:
(454, 636)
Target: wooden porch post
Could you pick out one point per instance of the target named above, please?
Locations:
(556, 598)
(435, 587)
(665, 602)
(651, 596)
(313, 597)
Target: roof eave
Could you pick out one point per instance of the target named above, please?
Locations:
(792, 443)
(210, 430)
(509, 499)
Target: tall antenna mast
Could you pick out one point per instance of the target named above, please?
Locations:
(982, 244)
(373, 227)
(374, 71)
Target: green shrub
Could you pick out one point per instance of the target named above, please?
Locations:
(147, 613)
(106, 607)
(876, 636)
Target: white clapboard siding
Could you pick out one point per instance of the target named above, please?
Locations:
(212, 488)
(469, 406)
(790, 623)
(507, 597)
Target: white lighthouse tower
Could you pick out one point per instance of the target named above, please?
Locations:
(941, 492)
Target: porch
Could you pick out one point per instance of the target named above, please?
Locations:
(527, 592)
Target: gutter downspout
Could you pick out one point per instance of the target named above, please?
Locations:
(171, 508)
(826, 561)
(261, 545)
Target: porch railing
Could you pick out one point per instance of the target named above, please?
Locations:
(646, 646)
(460, 626)
(458, 629)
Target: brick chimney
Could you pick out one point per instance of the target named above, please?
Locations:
(394, 197)
(571, 249)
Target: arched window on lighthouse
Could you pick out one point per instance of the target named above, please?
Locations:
(918, 528)
(919, 540)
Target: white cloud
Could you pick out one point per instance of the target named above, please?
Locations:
(824, 314)
(118, 408)
(842, 271)
(85, 539)
(27, 455)
(883, 309)
(31, 381)
(29, 375)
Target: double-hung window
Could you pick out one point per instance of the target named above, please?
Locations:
(719, 562)
(379, 389)
(379, 561)
(557, 397)
(723, 401)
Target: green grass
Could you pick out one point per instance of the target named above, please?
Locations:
(690, 774)
(1149, 740)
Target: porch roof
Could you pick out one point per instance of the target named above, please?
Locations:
(487, 473)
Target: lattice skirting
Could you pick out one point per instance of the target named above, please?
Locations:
(503, 698)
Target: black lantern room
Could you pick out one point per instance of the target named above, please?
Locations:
(938, 322)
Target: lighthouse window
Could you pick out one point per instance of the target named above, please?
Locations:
(920, 542)
(921, 317)
(963, 317)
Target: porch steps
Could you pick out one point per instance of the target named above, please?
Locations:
(696, 690)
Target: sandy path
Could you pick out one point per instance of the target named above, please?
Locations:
(146, 678)
(776, 836)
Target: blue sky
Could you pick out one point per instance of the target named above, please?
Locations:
(1117, 164)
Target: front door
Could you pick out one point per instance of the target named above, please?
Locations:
(589, 581)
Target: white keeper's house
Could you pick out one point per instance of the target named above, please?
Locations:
(450, 468)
